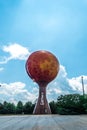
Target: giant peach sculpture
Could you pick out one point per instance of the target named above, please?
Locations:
(42, 67)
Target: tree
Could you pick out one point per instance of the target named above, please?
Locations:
(1, 108)
(70, 104)
(7, 108)
(11, 108)
(85, 103)
(19, 108)
(28, 108)
(53, 106)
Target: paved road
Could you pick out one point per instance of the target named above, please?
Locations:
(43, 122)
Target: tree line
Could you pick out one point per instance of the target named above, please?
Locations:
(71, 104)
(11, 108)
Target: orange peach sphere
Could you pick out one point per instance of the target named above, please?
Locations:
(42, 66)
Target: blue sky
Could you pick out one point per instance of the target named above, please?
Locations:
(27, 26)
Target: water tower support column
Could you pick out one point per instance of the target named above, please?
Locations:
(42, 106)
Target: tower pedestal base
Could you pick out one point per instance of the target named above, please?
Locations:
(42, 106)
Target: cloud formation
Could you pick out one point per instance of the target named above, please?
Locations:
(15, 51)
(13, 92)
(64, 85)
(76, 83)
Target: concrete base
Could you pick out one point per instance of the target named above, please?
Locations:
(43, 122)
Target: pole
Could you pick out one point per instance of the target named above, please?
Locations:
(83, 86)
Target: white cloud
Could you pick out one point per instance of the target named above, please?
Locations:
(64, 85)
(14, 92)
(76, 83)
(15, 51)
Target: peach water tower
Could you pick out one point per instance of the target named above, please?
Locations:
(42, 67)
